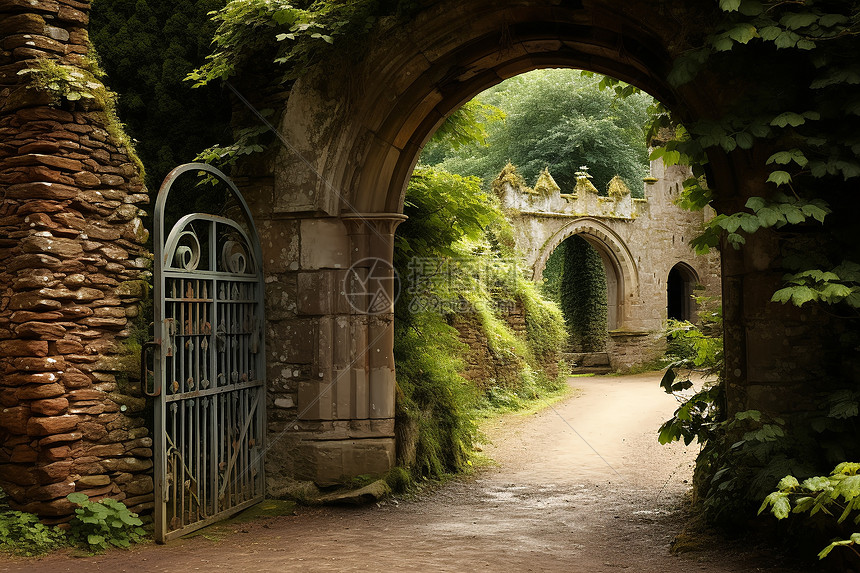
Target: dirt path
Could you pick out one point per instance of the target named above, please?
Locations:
(551, 504)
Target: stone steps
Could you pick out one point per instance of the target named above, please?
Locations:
(587, 362)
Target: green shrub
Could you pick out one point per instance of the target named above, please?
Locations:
(23, 534)
(100, 524)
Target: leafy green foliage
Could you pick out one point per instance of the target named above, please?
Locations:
(842, 284)
(695, 350)
(776, 212)
(100, 524)
(294, 35)
(583, 295)
(70, 83)
(840, 491)
(23, 534)
(147, 47)
(455, 227)
(801, 101)
(468, 125)
(557, 119)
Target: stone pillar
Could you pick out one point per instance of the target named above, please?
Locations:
(345, 410)
(71, 264)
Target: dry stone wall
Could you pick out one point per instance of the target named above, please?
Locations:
(484, 368)
(72, 270)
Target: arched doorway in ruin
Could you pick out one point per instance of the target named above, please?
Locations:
(622, 276)
(680, 284)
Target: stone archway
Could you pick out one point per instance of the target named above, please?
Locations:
(622, 276)
(361, 134)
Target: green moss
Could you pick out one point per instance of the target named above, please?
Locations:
(81, 87)
(546, 185)
(510, 176)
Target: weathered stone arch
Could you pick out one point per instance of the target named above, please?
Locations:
(420, 73)
(359, 135)
(622, 276)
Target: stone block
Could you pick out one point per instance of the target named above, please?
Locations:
(48, 425)
(324, 244)
(23, 348)
(85, 482)
(14, 420)
(106, 450)
(60, 438)
(139, 485)
(40, 392)
(93, 431)
(23, 454)
(133, 465)
(381, 383)
(51, 491)
(52, 473)
(19, 474)
(292, 341)
(279, 243)
(315, 400)
(57, 453)
(43, 364)
(49, 407)
(335, 462)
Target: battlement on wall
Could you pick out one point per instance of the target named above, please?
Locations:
(584, 200)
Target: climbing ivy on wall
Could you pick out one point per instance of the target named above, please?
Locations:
(552, 277)
(583, 295)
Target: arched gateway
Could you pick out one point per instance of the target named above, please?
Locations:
(331, 367)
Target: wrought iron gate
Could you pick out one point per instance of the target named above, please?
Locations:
(209, 365)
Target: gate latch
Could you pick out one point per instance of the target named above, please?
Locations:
(145, 372)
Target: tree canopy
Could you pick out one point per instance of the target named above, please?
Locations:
(560, 119)
(147, 47)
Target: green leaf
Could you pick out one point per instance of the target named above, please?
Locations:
(78, 498)
(779, 177)
(800, 295)
(786, 40)
(744, 140)
(751, 7)
(668, 379)
(749, 223)
(787, 483)
(730, 5)
(768, 217)
(788, 118)
(755, 203)
(94, 539)
(722, 43)
(742, 33)
(770, 33)
(798, 20)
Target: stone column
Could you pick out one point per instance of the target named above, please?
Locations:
(71, 264)
(348, 407)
